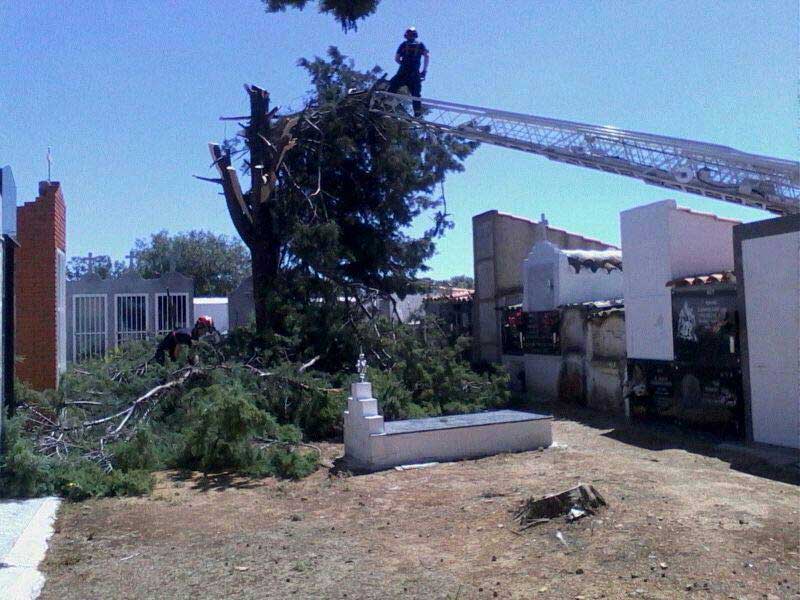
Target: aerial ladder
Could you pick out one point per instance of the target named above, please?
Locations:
(699, 168)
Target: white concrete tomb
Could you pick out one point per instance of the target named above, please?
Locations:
(371, 444)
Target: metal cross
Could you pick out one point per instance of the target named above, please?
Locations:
(361, 366)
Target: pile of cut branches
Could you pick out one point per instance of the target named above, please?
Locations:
(115, 421)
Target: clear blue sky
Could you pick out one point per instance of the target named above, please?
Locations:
(128, 94)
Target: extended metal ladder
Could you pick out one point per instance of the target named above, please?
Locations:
(709, 170)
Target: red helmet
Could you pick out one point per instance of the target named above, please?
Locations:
(411, 33)
(205, 321)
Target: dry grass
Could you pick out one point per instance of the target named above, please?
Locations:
(681, 523)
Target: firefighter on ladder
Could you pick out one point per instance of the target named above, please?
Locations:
(409, 55)
(172, 342)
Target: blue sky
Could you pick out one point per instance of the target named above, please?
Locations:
(129, 93)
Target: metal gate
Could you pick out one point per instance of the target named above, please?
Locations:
(89, 326)
(131, 317)
(172, 312)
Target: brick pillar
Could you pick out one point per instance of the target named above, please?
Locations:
(41, 231)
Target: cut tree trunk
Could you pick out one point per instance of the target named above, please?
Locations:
(266, 289)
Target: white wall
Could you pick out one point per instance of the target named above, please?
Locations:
(661, 242)
(216, 308)
(644, 231)
(549, 281)
(539, 277)
(771, 270)
(699, 243)
(541, 375)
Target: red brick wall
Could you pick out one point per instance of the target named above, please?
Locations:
(41, 229)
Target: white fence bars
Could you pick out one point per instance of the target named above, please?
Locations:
(132, 308)
(172, 312)
(89, 326)
(131, 321)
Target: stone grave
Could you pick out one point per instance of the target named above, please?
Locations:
(372, 444)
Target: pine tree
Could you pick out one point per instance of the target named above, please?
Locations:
(347, 12)
(334, 190)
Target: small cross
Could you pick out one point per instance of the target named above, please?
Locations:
(90, 260)
(361, 366)
(131, 256)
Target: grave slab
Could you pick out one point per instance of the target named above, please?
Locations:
(372, 444)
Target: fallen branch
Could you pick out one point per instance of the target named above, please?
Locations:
(290, 381)
(267, 442)
(309, 364)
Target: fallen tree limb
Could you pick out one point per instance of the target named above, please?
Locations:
(309, 364)
(266, 442)
(292, 382)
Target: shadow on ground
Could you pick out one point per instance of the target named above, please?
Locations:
(215, 482)
(778, 464)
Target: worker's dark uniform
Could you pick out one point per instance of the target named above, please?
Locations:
(170, 344)
(408, 74)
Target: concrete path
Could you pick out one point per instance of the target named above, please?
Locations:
(25, 527)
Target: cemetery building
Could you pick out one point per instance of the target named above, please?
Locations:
(454, 308)
(39, 288)
(681, 320)
(8, 244)
(548, 306)
(447, 302)
(500, 243)
(564, 340)
(105, 313)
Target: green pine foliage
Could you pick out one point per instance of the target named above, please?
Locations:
(428, 373)
(334, 237)
(346, 12)
(225, 421)
(245, 410)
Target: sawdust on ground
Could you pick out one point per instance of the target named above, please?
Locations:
(685, 521)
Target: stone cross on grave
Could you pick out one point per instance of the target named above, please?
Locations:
(131, 256)
(90, 260)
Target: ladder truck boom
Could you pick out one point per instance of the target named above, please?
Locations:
(699, 168)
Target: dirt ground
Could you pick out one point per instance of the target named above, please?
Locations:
(686, 520)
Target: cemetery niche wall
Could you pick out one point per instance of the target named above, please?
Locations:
(500, 244)
(565, 341)
(682, 324)
(106, 313)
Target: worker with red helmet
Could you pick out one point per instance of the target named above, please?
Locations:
(183, 336)
(409, 55)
